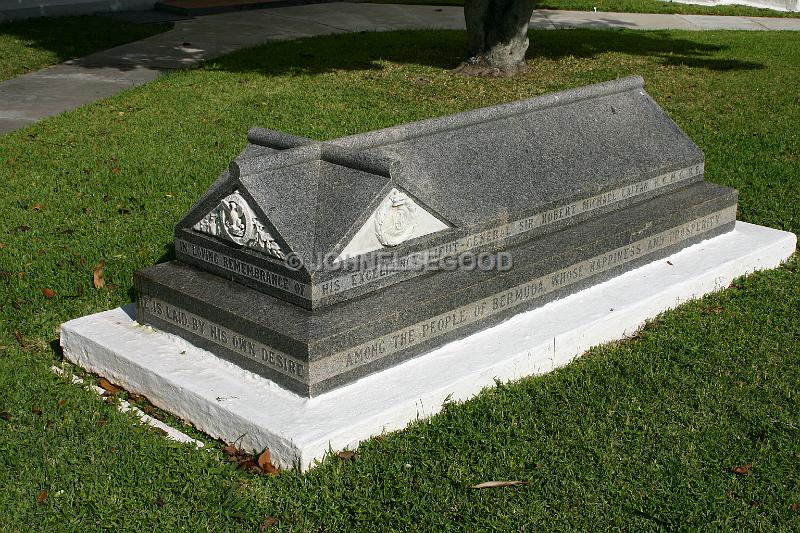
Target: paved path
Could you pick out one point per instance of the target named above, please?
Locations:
(32, 97)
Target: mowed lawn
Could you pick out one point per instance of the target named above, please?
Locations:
(28, 45)
(639, 435)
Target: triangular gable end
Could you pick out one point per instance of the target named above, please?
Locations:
(397, 219)
(234, 220)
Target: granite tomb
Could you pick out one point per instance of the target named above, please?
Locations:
(316, 263)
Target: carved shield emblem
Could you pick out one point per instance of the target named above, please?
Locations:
(237, 219)
(395, 219)
(234, 221)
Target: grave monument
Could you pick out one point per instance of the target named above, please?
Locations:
(282, 266)
(312, 267)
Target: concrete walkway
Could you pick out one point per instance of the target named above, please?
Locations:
(32, 97)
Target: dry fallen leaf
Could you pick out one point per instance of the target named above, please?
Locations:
(346, 455)
(230, 449)
(2, 245)
(108, 386)
(151, 411)
(264, 458)
(37, 411)
(269, 521)
(261, 464)
(5, 415)
(48, 292)
(795, 507)
(494, 484)
(250, 466)
(742, 470)
(97, 275)
(265, 463)
(20, 339)
(41, 497)
(36, 207)
(115, 170)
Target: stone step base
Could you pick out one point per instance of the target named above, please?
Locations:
(228, 402)
(312, 352)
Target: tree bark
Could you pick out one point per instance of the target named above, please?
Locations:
(497, 31)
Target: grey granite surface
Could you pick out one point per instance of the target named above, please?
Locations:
(572, 188)
(331, 346)
(474, 171)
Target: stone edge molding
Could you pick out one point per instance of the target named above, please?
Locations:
(227, 402)
(497, 235)
(310, 283)
(430, 328)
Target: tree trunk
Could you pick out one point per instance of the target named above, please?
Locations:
(498, 37)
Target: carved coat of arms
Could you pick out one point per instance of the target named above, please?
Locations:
(233, 220)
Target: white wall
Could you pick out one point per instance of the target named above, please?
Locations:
(778, 5)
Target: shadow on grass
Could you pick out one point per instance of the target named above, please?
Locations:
(445, 49)
(71, 37)
(671, 50)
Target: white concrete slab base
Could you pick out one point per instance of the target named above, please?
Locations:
(230, 403)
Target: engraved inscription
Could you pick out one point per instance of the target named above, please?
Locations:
(379, 272)
(263, 354)
(506, 231)
(473, 312)
(237, 266)
(441, 324)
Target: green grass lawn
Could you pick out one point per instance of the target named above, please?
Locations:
(639, 435)
(625, 6)
(29, 45)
